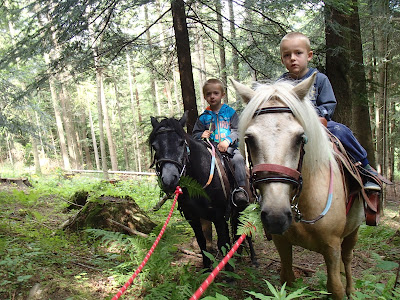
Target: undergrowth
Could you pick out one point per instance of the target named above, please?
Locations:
(95, 263)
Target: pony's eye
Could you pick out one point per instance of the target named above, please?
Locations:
(249, 140)
(154, 146)
(301, 139)
(304, 138)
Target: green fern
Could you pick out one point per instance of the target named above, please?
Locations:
(250, 221)
(194, 188)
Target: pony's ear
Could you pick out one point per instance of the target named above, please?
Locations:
(154, 122)
(182, 121)
(301, 90)
(245, 92)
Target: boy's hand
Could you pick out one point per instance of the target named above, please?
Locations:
(223, 146)
(206, 134)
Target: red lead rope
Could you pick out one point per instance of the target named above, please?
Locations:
(215, 272)
(178, 191)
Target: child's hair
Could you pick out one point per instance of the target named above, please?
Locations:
(297, 35)
(213, 81)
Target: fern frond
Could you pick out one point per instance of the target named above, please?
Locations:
(250, 221)
(194, 188)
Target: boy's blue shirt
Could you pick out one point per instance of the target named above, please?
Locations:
(321, 95)
(224, 125)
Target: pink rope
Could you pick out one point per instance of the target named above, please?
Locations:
(178, 191)
(215, 272)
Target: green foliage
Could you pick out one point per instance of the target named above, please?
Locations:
(382, 286)
(30, 240)
(250, 221)
(194, 188)
(283, 295)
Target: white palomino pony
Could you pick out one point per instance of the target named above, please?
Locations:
(302, 193)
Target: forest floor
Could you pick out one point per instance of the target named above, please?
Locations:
(308, 265)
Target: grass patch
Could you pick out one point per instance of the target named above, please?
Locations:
(91, 264)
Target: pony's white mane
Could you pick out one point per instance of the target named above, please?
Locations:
(318, 149)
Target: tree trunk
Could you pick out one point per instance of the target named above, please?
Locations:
(337, 62)
(9, 149)
(111, 146)
(60, 127)
(40, 133)
(68, 125)
(382, 39)
(36, 158)
(135, 142)
(201, 68)
(153, 86)
(121, 126)
(96, 152)
(221, 45)
(85, 141)
(100, 95)
(358, 87)
(235, 57)
(184, 62)
(345, 69)
(167, 86)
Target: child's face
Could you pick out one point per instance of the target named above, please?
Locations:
(213, 94)
(295, 56)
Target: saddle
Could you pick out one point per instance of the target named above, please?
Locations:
(226, 173)
(356, 176)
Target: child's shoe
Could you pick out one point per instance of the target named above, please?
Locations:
(370, 185)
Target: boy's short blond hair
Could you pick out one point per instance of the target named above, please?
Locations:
(297, 35)
(213, 81)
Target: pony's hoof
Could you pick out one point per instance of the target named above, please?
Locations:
(255, 263)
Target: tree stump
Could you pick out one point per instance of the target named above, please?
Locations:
(78, 200)
(112, 213)
(20, 182)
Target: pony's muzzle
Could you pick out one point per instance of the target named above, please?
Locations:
(169, 177)
(276, 223)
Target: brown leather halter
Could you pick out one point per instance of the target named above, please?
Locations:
(267, 173)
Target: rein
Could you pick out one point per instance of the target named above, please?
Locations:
(267, 173)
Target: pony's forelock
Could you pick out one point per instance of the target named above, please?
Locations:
(318, 149)
(168, 123)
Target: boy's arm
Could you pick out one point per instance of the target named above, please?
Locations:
(326, 100)
(198, 129)
(234, 124)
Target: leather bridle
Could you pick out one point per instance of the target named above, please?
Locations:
(158, 163)
(267, 173)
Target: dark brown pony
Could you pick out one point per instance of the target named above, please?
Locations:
(176, 154)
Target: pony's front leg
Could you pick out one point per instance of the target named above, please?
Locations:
(285, 253)
(223, 237)
(332, 260)
(201, 241)
(206, 227)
